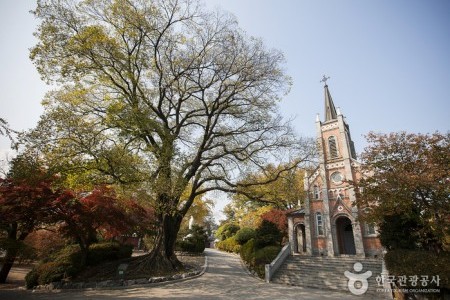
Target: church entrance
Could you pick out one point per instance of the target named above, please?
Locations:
(301, 238)
(345, 238)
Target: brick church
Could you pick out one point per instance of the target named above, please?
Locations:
(327, 224)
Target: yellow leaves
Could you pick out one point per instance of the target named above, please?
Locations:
(89, 37)
(79, 181)
(75, 97)
(115, 106)
(281, 191)
(253, 219)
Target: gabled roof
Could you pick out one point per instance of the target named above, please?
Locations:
(300, 211)
(330, 110)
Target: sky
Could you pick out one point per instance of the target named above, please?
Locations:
(388, 61)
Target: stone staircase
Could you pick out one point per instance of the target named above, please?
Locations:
(328, 273)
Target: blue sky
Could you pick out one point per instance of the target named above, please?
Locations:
(389, 61)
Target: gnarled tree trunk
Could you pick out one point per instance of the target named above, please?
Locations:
(11, 251)
(163, 257)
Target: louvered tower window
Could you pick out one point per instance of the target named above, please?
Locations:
(316, 192)
(319, 224)
(332, 147)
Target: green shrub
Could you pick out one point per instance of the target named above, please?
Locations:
(264, 256)
(107, 251)
(193, 245)
(400, 231)
(229, 245)
(31, 279)
(50, 272)
(267, 234)
(45, 273)
(243, 235)
(190, 245)
(71, 257)
(226, 231)
(417, 262)
(256, 259)
(267, 254)
(247, 251)
(194, 241)
(68, 262)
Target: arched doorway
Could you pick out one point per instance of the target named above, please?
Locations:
(345, 238)
(301, 238)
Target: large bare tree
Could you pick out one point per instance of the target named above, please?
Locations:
(163, 89)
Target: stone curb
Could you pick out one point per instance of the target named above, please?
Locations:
(113, 284)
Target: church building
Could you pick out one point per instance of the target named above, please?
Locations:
(327, 224)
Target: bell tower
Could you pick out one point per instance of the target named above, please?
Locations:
(337, 168)
(327, 224)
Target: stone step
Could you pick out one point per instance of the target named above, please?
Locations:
(307, 269)
(324, 283)
(326, 272)
(346, 266)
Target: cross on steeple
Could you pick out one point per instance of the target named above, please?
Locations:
(324, 79)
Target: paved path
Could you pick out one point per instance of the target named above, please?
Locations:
(224, 279)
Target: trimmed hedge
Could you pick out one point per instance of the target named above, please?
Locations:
(256, 259)
(267, 234)
(226, 231)
(194, 242)
(247, 250)
(31, 279)
(67, 262)
(191, 244)
(265, 256)
(108, 251)
(418, 262)
(244, 235)
(229, 245)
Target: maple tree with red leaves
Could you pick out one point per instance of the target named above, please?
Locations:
(277, 217)
(83, 217)
(23, 207)
(86, 216)
(29, 201)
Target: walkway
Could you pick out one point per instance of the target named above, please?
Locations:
(224, 279)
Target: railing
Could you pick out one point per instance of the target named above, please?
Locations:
(271, 268)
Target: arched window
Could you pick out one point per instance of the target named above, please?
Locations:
(332, 146)
(319, 223)
(316, 192)
(370, 229)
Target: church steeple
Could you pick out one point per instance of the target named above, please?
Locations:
(330, 110)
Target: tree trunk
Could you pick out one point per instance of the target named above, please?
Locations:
(171, 227)
(163, 255)
(10, 257)
(11, 253)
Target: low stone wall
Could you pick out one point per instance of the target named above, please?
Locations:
(122, 282)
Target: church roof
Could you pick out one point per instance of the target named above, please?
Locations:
(330, 110)
(300, 211)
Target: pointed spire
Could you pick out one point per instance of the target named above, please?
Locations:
(330, 110)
